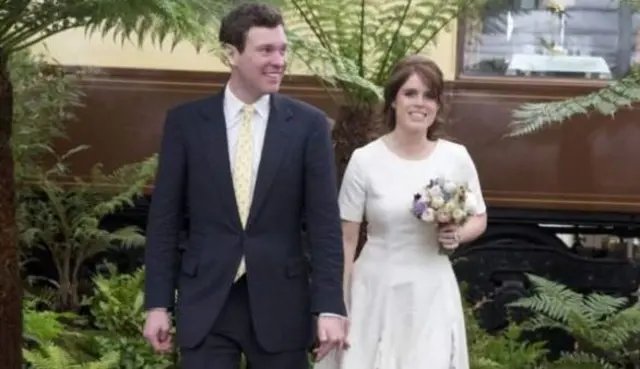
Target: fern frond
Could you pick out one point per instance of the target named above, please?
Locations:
(41, 326)
(602, 324)
(130, 236)
(50, 356)
(30, 22)
(633, 4)
(114, 292)
(581, 360)
(532, 117)
(620, 328)
(44, 102)
(540, 321)
(129, 180)
(355, 44)
(414, 26)
(599, 306)
(327, 37)
(550, 299)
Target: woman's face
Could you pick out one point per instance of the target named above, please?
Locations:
(415, 106)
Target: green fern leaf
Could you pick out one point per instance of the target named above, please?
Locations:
(551, 299)
(633, 4)
(599, 306)
(532, 117)
(598, 322)
(353, 45)
(581, 361)
(30, 22)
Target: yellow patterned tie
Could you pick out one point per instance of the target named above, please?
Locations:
(242, 173)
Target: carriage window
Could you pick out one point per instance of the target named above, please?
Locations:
(593, 39)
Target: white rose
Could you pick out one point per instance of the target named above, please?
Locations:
(428, 215)
(470, 203)
(459, 215)
(435, 191)
(450, 187)
(437, 202)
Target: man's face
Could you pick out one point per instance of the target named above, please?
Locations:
(262, 64)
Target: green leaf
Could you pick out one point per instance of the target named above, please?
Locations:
(604, 325)
(533, 117)
(353, 45)
(25, 23)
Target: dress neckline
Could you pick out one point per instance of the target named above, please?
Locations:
(417, 160)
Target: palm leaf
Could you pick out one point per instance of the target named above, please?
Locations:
(532, 117)
(354, 44)
(581, 360)
(599, 323)
(24, 23)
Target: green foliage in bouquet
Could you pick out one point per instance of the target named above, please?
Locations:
(606, 329)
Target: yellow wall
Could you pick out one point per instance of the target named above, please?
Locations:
(74, 48)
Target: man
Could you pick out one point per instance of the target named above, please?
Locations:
(246, 165)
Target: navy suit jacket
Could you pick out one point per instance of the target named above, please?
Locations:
(296, 180)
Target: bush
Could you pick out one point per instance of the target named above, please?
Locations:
(117, 312)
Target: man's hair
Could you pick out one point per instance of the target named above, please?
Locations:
(237, 23)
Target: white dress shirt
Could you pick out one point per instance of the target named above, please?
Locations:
(233, 118)
(232, 108)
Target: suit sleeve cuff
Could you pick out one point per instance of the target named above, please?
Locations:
(332, 315)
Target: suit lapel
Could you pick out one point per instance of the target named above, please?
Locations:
(275, 145)
(213, 132)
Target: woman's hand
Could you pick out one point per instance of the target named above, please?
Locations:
(448, 236)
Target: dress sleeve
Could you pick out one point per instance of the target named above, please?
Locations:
(471, 174)
(352, 195)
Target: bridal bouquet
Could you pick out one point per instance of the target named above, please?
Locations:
(443, 202)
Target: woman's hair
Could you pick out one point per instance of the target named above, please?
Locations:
(431, 75)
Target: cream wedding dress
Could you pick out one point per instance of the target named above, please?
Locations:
(404, 304)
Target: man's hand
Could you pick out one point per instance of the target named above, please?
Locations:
(157, 330)
(332, 333)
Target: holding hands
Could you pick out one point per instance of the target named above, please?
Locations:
(332, 334)
(157, 330)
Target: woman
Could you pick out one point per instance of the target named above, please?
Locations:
(405, 309)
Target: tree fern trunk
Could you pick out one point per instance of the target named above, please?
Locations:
(355, 126)
(10, 284)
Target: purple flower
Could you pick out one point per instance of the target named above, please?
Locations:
(419, 207)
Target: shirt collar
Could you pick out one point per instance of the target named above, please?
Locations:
(234, 105)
